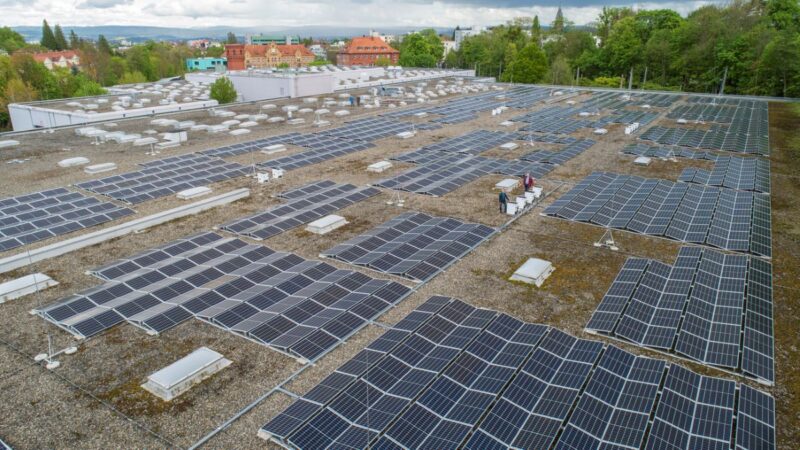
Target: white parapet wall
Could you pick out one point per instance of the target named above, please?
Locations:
(37, 115)
(85, 240)
(180, 376)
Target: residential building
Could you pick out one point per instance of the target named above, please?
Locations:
(263, 39)
(207, 63)
(201, 44)
(366, 51)
(449, 46)
(66, 59)
(388, 38)
(463, 33)
(242, 56)
(319, 51)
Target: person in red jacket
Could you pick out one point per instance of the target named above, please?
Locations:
(527, 182)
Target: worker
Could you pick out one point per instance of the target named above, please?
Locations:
(352, 101)
(503, 201)
(527, 182)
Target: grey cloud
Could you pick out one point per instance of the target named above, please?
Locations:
(103, 4)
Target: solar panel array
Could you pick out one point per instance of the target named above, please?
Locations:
(412, 245)
(703, 112)
(709, 306)
(445, 167)
(655, 151)
(306, 204)
(444, 172)
(722, 218)
(747, 133)
(374, 128)
(41, 215)
(165, 177)
(627, 117)
(654, 100)
(250, 146)
(547, 138)
(553, 119)
(322, 148)
(473, 143)
(300, 307)
(453, 376)
(560, 157)
(747, 174)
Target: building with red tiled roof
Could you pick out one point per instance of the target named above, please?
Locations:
(366, 51)
(242, 56)
(65, 58)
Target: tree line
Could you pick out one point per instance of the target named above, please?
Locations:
(753, 45)
(23, 79)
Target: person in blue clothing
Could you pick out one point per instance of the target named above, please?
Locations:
(503, 202)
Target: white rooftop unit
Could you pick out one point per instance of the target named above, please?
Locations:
(534, 271)
(8, 143)
(326, 224)
(195, 192)
(379, 166)
(405, 134)
(642, 161)
(24, 286)
(72, 162)
(100, 168)
(507, 185)
(509, 146)
(274, 148)
(181, 375)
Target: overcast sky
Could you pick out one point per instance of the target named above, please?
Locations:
(283, 13)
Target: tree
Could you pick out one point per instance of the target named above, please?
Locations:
(74, 40)
(560, 72)
(782, 59)
(132, 78)
(558, 23)
(530, 66)
(103, 45)
(61, 41)
(536, 32)
(659, 53)
(10, 40)
(383, 62)
(607, 19)
(48, 38)
(222, 90)
(416, 52)
(624, 47)
(784, 14)
(18, 91)
(231, 39)
(435, 45)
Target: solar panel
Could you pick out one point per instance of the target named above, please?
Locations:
(694, 411)
(165, 177)
(718, 217)
(746, 130)
(243, 148)
(306, 204)
(41, 215)
(300, 307)
(412, 245)
(453, 376)
(747, 174)
(695, 308)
